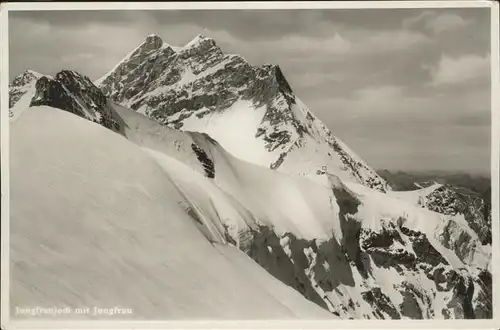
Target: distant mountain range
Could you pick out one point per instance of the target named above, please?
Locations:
(406, 180)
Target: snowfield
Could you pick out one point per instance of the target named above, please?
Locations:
(97, 222)
(312, 215)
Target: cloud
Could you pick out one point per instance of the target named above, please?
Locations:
(357, 42)
(46, 48)
(460, 70)
(387, 106)
(379, 97)
(337, 44)
(437, 23)
(292, 45)
(390, 128)
(446, 22)
(393, 40)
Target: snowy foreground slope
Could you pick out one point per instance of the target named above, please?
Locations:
(97, 223)
(371, 264)
(355, 249)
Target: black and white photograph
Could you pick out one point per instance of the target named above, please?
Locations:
(225, 164)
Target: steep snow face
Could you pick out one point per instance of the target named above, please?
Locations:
(151, 44)
(105, 227)
(265, 193)
(199, 87)
(354, 251)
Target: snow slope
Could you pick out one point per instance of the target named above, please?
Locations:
(105, 226)
(250, 207)
(265, 192)
(416, 196)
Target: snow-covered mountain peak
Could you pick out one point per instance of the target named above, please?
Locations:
(201, 88)
(21, 91)
(72, 77)
(151, 45)
(26, 77)
(153, 41)
(201, 53)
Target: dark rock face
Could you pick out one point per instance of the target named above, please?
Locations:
(412, 295)
(461, 302)
(68, 91)
(486, 196)
(151, 45)
(380, 303)
(380, 246)
(351, 229)
(53, 94)
(82, 87)
(483, 307)
(75, 93)
(423, 249)
(207, 163)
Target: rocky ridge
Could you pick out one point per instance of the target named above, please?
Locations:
(68, 90)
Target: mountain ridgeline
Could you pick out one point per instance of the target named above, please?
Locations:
(260, 175)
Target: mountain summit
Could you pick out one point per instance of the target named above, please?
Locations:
(251, 110)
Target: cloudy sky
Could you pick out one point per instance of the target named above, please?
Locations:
(407, 89)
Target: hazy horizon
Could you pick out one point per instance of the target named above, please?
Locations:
(406, 89)
(436, 172)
